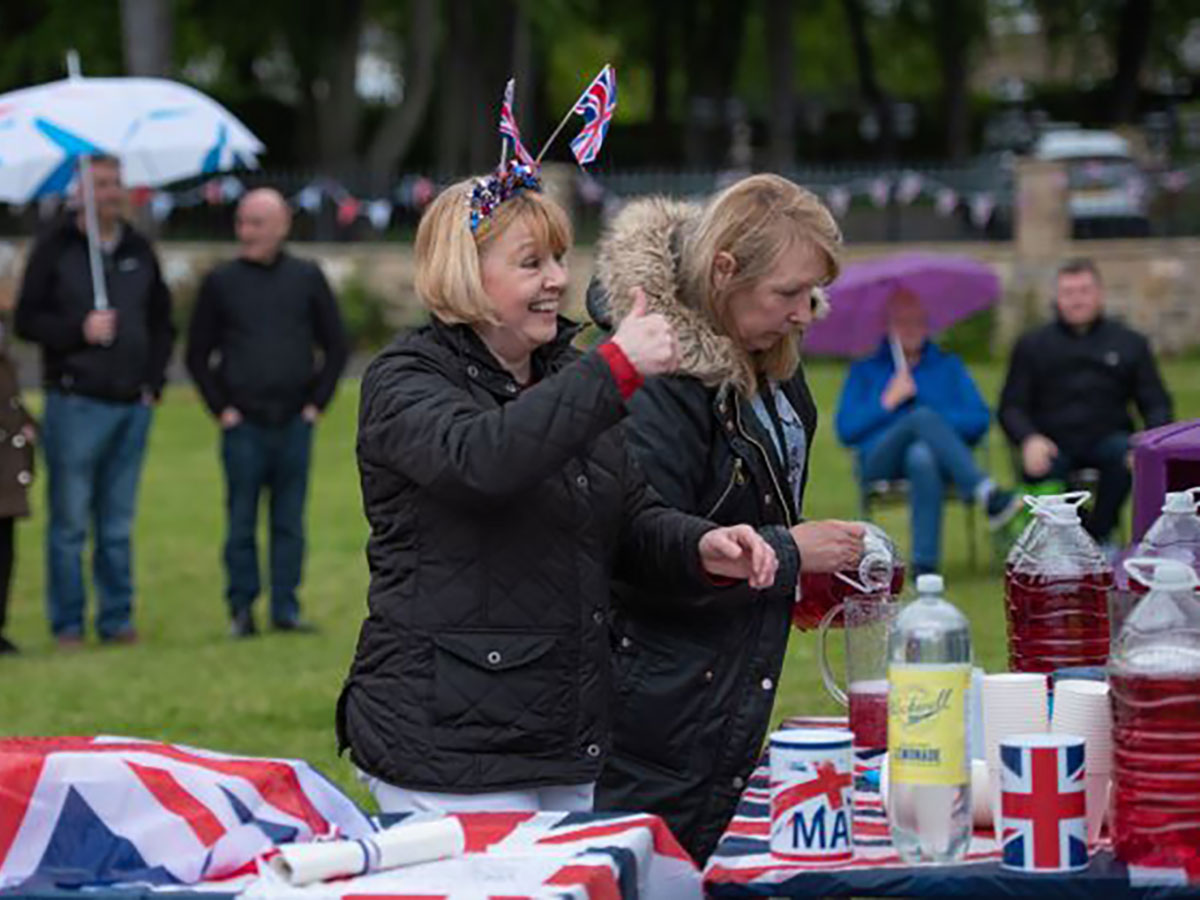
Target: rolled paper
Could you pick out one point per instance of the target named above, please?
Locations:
(400, 845)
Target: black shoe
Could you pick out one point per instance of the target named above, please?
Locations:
(7, 646)
(1001, 507)
(295, 626)
(243, 625)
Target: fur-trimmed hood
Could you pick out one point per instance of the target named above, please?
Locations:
(641, 249)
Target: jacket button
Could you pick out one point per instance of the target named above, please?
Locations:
(729, 426)
(494, 657)
(598, 617)
(473, 371)
(767, 499)
(767, 684)
(582, 481)
(511, 388)
(626, 643)
(24, 478)
(18, 441)
(738, 782)
(709, 676)
(593, 750)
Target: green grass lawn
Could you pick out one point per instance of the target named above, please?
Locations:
(188, 682)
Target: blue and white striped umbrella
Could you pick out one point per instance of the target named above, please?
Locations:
(160, 130)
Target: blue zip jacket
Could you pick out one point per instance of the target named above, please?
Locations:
(943, 384)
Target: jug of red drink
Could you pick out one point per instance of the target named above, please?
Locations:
(1154, 676)
(879, 571)
(1057, 584)
(868, 619)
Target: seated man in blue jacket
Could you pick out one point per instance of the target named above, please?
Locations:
(911, 411)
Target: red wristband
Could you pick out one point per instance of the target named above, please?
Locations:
(628, 378)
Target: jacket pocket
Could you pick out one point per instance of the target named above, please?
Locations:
(500, 692)
(662, 698)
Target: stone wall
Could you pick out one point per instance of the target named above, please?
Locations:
(1152, 284)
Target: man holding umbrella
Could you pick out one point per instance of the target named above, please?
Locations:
(103, 369)
(911, 411)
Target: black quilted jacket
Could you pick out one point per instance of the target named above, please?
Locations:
(496, 517)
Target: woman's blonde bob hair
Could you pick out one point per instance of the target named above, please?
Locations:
(755, 221)
(448, 278)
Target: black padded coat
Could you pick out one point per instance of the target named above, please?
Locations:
(497, 515)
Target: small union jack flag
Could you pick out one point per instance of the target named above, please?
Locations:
(596, 105)
(510, 134)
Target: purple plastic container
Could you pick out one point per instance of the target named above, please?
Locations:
(1164, 459)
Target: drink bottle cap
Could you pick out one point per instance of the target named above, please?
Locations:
(1165, 574)
(1182, 501)
(930, 584)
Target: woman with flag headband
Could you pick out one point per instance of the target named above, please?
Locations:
(501, 498)
(727, 437)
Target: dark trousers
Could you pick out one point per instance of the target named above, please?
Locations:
(7, 550)
(1107, 456)
(274, 459)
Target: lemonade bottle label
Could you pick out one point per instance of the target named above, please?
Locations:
(927, 741)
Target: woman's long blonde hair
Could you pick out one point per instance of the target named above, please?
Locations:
(755, 221)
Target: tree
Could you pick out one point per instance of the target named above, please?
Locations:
(146, 36)
(780, 39)
(955, 28)
(712, 42)
(1132, 41)
(868, 82)
(395, 135)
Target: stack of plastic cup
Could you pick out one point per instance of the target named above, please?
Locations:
(1082, 708)
(1013, 703)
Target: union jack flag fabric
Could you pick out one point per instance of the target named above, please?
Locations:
(1043, 807)
(509, 132)
(96, 810)
(596, 105)
(529, 856)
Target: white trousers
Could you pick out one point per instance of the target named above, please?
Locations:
(559, 798)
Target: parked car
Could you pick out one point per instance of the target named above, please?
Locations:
(1107, 192)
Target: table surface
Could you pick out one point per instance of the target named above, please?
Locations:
(743, 866)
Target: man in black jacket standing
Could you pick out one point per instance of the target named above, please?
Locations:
(102, 370)
(253, 345)
(1070, 383)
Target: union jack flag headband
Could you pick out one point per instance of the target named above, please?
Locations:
(523, 171)
(512, 178)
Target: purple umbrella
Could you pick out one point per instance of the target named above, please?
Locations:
(951, 288)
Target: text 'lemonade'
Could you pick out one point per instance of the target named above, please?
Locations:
(1155, 687)
(929, 675)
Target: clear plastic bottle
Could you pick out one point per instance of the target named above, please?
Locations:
(1176, 533)
(1057, 584)
(929, 770)
(1154, 675)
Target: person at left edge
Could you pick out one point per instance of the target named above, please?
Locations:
(103, 371)
(266, 347)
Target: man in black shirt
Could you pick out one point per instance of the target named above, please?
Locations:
(266, 348)
(103, 371)
(1070, 384)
